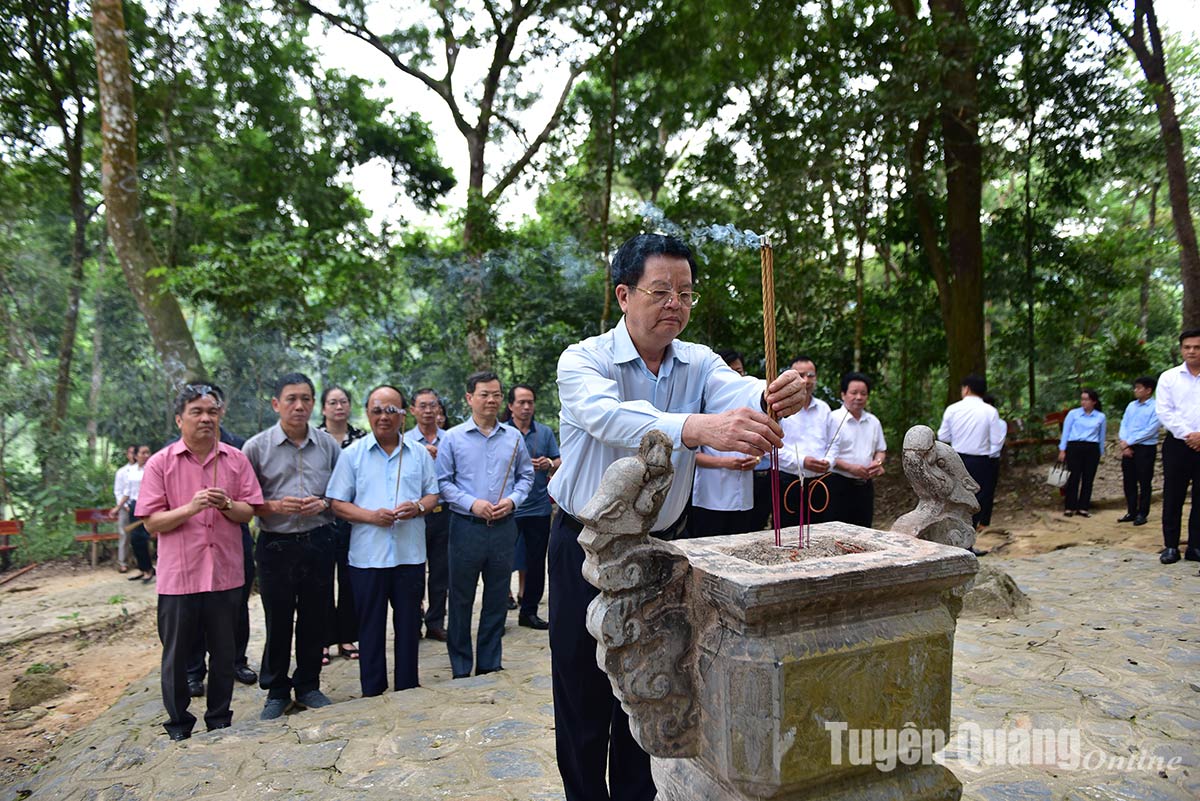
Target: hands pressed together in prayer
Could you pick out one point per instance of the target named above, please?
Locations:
(209, 498)
(492, 511)
(305, 507)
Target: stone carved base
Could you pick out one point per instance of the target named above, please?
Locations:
(863, 637)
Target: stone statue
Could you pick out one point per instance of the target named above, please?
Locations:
(640, 620)
(945, 491)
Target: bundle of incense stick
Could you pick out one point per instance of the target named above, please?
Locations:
(399, 462)
(768, 291)
(508, 469)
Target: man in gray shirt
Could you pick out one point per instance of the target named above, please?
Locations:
(295, 548)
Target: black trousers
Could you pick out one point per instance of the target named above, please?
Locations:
(852, 499)
(343, 621)
(295, 579)
(719, 522)
(196, 669)
(760, 516)
(983, 469)
(591, 731)
(437, 555)
(536, 533)
(816, 501)
(1137, 473)
(1181, 467)
(139, 541)
(1082, 460)
(375, 588)
(182, 619)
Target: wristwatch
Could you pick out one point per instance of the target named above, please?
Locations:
(228, 504)
(327, 503)
(420, 508)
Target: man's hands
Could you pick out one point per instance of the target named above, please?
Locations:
(432, 449)
(788, 394)
(1192, 440)
(815, 465)
(305, 507)
(386, 517)
(542, 463)
(739, 462)
(492, 511)
(209, 498)
(742, 430)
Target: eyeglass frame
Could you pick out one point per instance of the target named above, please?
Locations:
(667, 294)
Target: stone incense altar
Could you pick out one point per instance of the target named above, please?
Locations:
(737, 661)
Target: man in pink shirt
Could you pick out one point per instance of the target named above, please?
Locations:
(195, 493)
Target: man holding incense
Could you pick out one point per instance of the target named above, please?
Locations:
(295, 551)
(613, 389)
(195, 494)
(484, 473)
(384, 485)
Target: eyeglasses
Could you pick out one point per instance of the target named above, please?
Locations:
(428, 407)
(661, 297)
(376, 411)
(336, 402)
(807, 375)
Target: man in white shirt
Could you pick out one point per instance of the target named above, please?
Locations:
(858, 450)
(805, 453)
(968, 426)
(1178, 408)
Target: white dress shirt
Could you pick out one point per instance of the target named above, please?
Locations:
(805, 433)
(609, 399)
(969, 426)
(1178, 401)
(999, 434)
(120, 482)
(722, 489)
(854, 441)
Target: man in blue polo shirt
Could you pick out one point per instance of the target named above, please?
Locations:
(533, 516)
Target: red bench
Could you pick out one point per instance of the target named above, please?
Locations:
(8, 529)
(93, 519)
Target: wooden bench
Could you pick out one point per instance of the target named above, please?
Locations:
(8, 529)
(93, 518)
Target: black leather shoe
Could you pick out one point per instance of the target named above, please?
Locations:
(512, 602)
(1140, 520)
(195, 688)
(532, 622)
(244, 674)
(1192, 554)
(1127, 519)
(435, 634)
(1169, 556)
(179, 735)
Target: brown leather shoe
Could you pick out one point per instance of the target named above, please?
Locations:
(435, 634)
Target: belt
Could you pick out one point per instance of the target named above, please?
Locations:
(574, 525)
(296, 534)
(480, 520)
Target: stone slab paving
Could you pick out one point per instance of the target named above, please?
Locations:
(1111, 650)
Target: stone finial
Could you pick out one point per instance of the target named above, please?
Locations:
(945, 491)
(640, 618)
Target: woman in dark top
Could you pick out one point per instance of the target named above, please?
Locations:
(343, 631)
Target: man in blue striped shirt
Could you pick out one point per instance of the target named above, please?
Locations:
(1139, 447)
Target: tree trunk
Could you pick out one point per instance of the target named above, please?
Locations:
(97, 376)
(610, 157)
(1153, 62)
(1147, 270)
(126, 226)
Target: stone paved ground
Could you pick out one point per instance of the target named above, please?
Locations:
(1111, 649)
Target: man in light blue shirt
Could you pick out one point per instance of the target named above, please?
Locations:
(385, 485)
(484, 473)
(613, 389)
(1139, 447)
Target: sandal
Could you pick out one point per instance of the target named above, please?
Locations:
(324, 657)
(347, 652)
